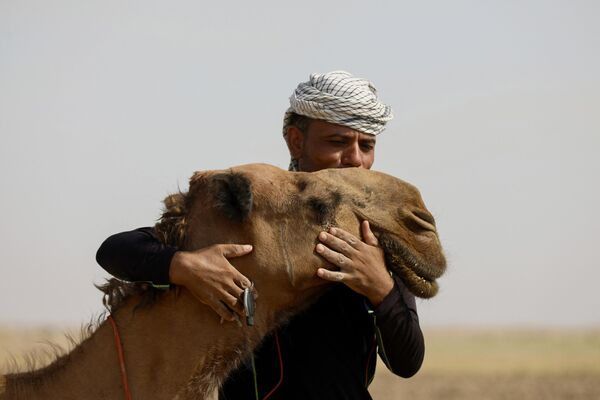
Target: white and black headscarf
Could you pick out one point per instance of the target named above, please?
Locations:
(340, 98)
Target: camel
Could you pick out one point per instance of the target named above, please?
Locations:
(177, 348)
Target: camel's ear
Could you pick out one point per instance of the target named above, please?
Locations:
(233, 194)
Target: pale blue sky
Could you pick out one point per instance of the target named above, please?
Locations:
(107, 106)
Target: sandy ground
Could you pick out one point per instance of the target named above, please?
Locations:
(429, 386)
(460, 363)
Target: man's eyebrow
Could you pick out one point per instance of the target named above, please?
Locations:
(370, 140)
(339, 134)
(347, 135)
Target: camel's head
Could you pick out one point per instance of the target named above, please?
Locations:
(281, 213)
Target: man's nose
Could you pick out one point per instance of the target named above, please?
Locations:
(352, 157)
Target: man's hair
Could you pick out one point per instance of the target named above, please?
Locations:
(299, 121)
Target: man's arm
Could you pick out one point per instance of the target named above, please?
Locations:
(136, 255)
(139, 255)
(402, 346)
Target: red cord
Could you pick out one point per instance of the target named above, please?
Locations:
(121, 357)
(280, 369)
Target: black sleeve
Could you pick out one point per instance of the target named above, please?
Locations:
(403, 346)
(136, 255)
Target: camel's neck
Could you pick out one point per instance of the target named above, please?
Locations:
(168, 349)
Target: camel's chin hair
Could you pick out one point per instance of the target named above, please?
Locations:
(418, 285)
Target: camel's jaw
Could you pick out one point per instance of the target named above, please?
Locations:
(416, 270)
(418, 285)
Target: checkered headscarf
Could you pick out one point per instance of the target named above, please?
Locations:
(340, 98)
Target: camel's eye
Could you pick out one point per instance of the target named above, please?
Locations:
(233, 195)
(325, 207)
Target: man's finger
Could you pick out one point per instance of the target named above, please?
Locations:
(337, 244)
(368, 235)
(235, 250)
(345, 236)
(334, 276)
(241, 281)
(234, 303)
(333, 257)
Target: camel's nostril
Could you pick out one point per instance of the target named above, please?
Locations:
(424, 215)
(423, 220)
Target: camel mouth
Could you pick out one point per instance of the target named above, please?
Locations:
(418, 274)
(423, 270)
(420, 286)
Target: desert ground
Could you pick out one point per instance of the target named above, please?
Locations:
(499, 364)
(465, 363)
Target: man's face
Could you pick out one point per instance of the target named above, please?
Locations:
(326, 145)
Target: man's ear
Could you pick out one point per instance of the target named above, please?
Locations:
(295, 141)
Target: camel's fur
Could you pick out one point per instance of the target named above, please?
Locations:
(177, 347)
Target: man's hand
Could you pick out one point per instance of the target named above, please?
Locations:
(211, 278)
(361, 264)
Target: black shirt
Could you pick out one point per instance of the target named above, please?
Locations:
(325, 352)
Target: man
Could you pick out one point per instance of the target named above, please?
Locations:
(328, 351)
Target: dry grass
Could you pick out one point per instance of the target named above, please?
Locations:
(18, 346)
(460, 363)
